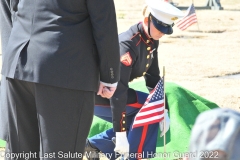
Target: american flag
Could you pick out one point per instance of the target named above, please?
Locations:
(188, 20)
(153, 109)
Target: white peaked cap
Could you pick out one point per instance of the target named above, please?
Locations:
(164, 11)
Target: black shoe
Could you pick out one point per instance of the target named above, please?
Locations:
(91, 152)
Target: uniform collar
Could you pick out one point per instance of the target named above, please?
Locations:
(144, 35)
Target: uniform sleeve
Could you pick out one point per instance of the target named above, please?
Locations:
(153, 74)
(119, 100)
(103, 18)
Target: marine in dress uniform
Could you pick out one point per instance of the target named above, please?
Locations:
(139, 57)
(52, 70)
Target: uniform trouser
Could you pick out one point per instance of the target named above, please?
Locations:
(47, 122)
(142, 140)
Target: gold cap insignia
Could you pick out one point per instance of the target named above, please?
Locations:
(174, 18)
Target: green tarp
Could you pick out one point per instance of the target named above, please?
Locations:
(184, 106)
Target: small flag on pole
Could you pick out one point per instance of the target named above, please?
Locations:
(187, 20)
(153, 109)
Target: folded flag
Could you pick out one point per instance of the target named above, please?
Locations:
(153, 109)
(187, 20)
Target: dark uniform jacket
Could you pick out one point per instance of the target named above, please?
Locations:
(139, 57)
(64, 43)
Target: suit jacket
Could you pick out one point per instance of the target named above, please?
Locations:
(64, 43)
(7, 11)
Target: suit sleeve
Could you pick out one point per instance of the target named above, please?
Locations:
(119, 100)
(7, 12)
(104, 25)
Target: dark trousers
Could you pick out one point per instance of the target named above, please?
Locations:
(3, 110)
(47, 122)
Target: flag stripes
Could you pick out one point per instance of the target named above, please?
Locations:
(188, 20)
(152, 114)
(150, 108)
(150, 121)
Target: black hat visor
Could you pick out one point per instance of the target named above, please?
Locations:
(162, 27)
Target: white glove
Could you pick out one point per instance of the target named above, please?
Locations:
(122, 145)
(167, 123)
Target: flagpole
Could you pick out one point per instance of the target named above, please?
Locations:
(164, 120)
(196, 15)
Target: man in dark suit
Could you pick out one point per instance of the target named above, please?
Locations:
(57, 54)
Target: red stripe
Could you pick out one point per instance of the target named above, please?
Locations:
(140, 147)
(189, 24)
(185, 19)
(151, 108)
(149, 115)
(148, 123)
(134, 35)
(147, 35)
(145, 42)
(147, 100)
(135, 105)
(189, 21)
(138, 42)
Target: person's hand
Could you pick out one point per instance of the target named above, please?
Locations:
(100, 89)
(122, 145)
(105, 91)
(167, 124)
(109, 91)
